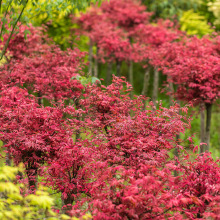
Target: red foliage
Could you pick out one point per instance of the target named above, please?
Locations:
(111, 28)
(68, 173)
(199, 188)
(126, 14)
(193, 65)
(47, 73)
(31, 134)
(132, 193)
(131, 136)
(33, 44)
(118, 166)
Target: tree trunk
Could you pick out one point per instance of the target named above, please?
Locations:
(32, 178)
(176, 153)
(109, 73)
(146, 84)
(67, 202)
(202, 128)
(208, 125)
(7, 159)
(155, 88)
(90, 56)
(78, 118)
(39, 95)
(130, 72)
(171, 90)
(118, 68)
(96, 63)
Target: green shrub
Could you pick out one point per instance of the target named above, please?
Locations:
(195, 24)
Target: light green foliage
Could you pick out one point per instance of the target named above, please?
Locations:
(87, 80)
(195, 24)
(60, 31)
(60, 26)
(45, 8)
(214, 7)
(15, 206)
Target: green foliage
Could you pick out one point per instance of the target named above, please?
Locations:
(170, 8)
(195, 24)
(60, 31)
(56, 18)
(204, 10)
(87, 80)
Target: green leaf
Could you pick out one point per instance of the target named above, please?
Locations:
(12, 10)
(95, 79)
(4, 20)
(25, 33)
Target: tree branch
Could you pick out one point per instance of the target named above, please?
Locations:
(6, 12)
(0, 5)
(8, 40)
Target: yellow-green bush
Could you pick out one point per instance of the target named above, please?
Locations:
(214, 7)
(195, 24)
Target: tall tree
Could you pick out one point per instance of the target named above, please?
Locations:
(193, 65)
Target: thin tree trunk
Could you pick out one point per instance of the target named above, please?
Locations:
(171, 90)
(176, 153)
(78, 118)
(96, 62)
(67, 202)
(109, 73)
(118, 68)
(208, 125)
(32, 178)
(39, 95)
(130, 72)
(202, 128)
(146, 84)
(7, 159)
(155, 88)
(90, 56)
(7, 156)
